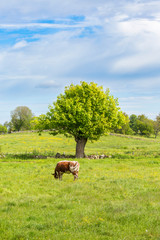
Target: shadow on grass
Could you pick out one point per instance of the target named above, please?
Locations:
(25, 156)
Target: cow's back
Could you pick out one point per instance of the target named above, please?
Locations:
(62, 166)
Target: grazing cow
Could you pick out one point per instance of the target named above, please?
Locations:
(66, 167)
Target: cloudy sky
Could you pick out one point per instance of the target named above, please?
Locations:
(48, 44)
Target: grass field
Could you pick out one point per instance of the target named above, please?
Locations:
(115, 198)
(46, 144)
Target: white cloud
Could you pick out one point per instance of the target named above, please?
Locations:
(139, 44)
(20, 44)
(139, 26)
(133, 63)
(18, 11)
(47, 25)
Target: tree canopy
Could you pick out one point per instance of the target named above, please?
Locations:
(21, 118)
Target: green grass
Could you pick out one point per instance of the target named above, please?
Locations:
(48, 145)
(115, 198)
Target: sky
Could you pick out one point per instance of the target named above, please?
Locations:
(46, 45)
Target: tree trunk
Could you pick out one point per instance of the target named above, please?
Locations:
(80, 147)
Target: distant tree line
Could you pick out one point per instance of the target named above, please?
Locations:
(23, 119)
(140, 125)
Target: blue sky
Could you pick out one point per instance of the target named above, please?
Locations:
(48, 44)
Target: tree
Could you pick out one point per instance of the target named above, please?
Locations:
(9, 126)
(21, 118)
(3, 129)
(133, 123)
(40, 123)
(85, 112)
(157, 125)
(144, 125)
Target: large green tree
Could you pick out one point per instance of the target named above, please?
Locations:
(21, 118)
(85, 112)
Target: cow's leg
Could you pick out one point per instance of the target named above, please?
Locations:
(59, 175)
(75, 176)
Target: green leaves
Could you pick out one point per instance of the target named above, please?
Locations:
(84, 111)
(3, 129)
(21, 118)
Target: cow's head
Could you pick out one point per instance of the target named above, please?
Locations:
(55, 175)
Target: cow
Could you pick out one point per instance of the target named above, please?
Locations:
(66, 167)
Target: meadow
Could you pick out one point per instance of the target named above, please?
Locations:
(114, 198)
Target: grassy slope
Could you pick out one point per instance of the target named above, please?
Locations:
(113, 198)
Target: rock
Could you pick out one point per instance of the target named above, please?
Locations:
(58, 155)
(102, 156)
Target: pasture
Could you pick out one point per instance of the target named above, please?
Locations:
(115, 198)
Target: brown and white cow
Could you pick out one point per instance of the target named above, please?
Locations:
(66, 167)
